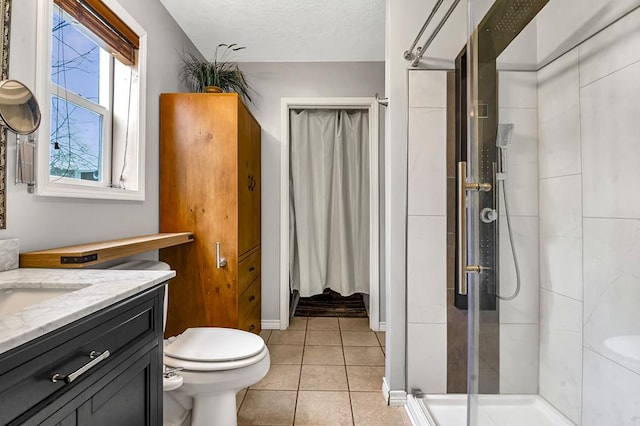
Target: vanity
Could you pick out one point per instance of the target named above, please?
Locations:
(89, 354)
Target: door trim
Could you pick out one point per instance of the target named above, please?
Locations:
(367, 103)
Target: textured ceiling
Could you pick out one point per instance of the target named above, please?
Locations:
(285, 30)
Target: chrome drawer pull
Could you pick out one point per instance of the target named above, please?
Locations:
(96, 358)
(221, 262)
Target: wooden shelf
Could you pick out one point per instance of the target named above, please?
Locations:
(84, 255)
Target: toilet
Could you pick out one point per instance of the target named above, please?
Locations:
(205, 367)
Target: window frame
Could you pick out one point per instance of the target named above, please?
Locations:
(48, 185)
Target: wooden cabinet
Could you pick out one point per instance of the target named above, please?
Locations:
(124, 388)
(210, 185)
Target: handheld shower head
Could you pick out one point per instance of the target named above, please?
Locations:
(503, 139)
(505, 135)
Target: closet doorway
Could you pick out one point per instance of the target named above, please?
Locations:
(305, 116)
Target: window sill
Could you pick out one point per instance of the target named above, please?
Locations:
(54, 189)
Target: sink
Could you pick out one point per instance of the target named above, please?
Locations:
(15, 297)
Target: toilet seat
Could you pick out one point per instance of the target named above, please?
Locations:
(214, 349)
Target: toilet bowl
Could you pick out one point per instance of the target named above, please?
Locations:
(216, 363)
(208, 365)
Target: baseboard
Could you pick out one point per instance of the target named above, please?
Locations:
(271, 324)
(417, 413)
(275, 325)
(385, 389)
(394, 398)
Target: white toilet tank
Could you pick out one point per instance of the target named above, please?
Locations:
(149, 265)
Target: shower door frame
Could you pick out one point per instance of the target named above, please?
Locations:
(369, 104)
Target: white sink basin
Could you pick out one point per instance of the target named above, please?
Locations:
(16, 297)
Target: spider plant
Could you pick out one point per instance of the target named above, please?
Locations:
(199, 73)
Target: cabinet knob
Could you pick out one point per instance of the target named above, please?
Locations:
(252, 327)
(251, 269)
(252, 298)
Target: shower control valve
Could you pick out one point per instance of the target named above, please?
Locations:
(488, 215)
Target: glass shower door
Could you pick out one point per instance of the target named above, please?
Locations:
(492, 26)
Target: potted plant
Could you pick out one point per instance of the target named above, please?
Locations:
(217, 75)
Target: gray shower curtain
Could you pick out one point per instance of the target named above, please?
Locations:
(329, 201)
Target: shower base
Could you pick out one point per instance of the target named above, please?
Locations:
(494, 410)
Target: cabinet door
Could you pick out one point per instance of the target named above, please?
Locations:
(249, 186)
(133, 398)
(131, 395)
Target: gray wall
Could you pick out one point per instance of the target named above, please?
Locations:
(273, 81)
(44, 222)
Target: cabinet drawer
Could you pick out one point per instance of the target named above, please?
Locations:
(253, 321)
(26, 372)
(249, 300)
(248, 270)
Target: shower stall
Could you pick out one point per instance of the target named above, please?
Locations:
(535, 319)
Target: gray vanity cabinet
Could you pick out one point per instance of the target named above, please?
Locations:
(123, 388)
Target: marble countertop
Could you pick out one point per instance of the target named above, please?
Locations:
(96, 289)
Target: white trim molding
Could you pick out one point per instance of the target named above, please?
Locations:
(270, 325)
(371, 105)
(45, 186)
(394, 398)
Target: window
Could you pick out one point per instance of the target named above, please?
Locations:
(90, 90)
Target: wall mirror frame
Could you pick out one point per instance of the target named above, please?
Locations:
(5, 28)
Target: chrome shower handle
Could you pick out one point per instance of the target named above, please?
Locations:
(220, 261)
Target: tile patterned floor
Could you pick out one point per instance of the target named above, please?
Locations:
(324, 371)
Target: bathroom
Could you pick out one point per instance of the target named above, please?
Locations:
(559, 139)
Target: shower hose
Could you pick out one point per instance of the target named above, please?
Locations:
(513, 247)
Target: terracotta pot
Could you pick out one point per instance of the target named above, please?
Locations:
(212, 89)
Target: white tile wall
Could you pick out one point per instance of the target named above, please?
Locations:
(427, 292)
(558, 117)
(610, 129)
(611, 49)
(560, 248)
(561, 353)
(518, 358)
(611, 251)
(611, 395)
(427, 232)
(427, 357)
(558, 85)
(560, 144)
(524, 308)
(612, 293)
(590, 228)
(517, 89)
(427, 161)
(518, 370)
(561, 235)
(427, 89)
